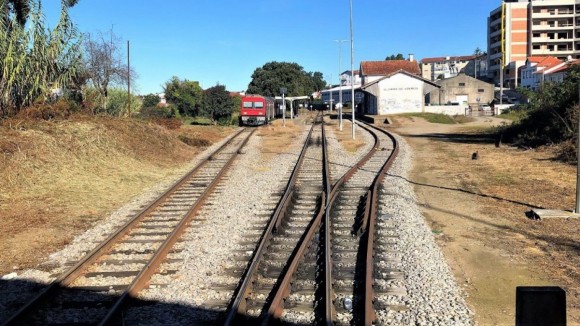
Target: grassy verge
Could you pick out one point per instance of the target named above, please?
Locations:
(440, 118)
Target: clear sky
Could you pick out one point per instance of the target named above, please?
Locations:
(224, 41)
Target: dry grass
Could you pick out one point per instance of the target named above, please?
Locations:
(344, 137)
(277, 138)
(487, 236)
(58, 177)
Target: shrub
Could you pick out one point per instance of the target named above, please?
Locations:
(168, 123)
(61, 109)
(154, 112)
(194, 142)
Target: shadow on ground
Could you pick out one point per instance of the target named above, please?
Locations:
(84, 307)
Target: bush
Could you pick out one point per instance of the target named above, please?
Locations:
(195, 142)
(61, 109)
(154, 112)
(168, 123)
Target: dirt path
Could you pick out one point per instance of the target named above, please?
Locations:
(476, 209)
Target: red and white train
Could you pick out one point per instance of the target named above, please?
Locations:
(258, 110)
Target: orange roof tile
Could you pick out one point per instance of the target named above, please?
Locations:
(388, 67)
(566, 66)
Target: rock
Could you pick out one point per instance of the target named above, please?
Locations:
(10, 276)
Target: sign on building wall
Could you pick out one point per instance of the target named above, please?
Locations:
(401, 94)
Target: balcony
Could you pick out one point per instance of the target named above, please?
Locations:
(495, 33)
(553, 26)
(495, 45)
(495, 56)
(495, 22)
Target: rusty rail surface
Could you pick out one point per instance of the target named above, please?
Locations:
(277, 304)
(238, 306)
(369, 227)
(74, 272)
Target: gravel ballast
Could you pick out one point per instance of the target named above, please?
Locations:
(248, 193)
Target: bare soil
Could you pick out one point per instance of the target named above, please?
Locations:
(477, 211)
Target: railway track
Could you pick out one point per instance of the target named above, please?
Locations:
(97, 287)
(303, 200)
(316, 272)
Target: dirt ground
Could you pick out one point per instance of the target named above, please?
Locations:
(477, 211)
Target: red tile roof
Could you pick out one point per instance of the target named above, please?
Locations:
(388, 67)
(456, 58)
(565, 67)
(547, 63)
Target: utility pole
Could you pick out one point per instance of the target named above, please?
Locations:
(128, 80)
(340, 82)
(577, 209)
(352, 72)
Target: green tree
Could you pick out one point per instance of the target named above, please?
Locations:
(477, 52)
(551, 113)
(395, 57)
(268, 80)
(151, 100)
(185, 95)
(36, 60)
(217, 103)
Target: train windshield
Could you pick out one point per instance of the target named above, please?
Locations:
(247, 105)
(258, 105)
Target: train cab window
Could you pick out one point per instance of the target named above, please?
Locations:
(258, 105)
(247, 105)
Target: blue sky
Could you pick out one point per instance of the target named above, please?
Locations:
(224, 41)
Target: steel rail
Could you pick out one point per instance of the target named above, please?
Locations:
(369, 315)
(144, 276)
(238, 306)
(277, 305)
(75, 271)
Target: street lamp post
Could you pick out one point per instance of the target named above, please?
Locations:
(340, 82)
(352, 71)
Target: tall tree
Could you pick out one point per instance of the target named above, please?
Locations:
(21, 8)
(185, 95)
(268, 80)
(395, 57)
(105, 63)
(36, 60)
(217, 103)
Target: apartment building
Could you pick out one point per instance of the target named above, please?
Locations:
(519, 29)
(448, 67)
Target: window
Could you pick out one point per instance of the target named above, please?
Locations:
(461, 84)
(258, 105)
(247, 105)
(481, 90)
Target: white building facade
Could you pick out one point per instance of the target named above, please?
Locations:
(400, 92)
